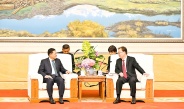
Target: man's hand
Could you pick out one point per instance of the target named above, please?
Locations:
(48, 76)
(146, 74)
(121, 74)
(68, 72)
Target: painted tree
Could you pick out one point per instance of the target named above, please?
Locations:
(86, 29)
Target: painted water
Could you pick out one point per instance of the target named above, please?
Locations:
(53, 23)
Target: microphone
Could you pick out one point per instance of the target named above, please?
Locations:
(104, 67)
(103, 63)
(77, 51)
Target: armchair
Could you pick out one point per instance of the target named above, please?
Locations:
(37, 89)
(144, 88)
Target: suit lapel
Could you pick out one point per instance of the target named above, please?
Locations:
(127, 62)
(50, 67)
(121, 63)
(56, 64)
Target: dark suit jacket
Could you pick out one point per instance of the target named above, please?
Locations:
(73, 62)
(46, 69)
(108, 64)
(131, 65)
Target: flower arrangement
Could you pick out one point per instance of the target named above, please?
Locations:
(90, 57)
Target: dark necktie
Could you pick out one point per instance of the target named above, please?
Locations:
(54, 66)
(124, 69)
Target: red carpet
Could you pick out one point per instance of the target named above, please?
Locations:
(123, 105)
(93, 93)
(169, 93)
(13, 93)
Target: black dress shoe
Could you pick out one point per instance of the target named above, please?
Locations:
(61, 101)
(133, 100)
(52, 101)
(117, 101)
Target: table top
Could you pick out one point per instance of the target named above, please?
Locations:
(91, 77)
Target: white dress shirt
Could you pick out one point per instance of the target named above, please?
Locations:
(53, 71)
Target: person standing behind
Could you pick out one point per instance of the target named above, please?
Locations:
(66, 50)
(112, 50)
(125, 68)
(50, 69)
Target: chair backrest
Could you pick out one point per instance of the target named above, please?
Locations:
(145, 61)
(113, 59)
(35, 60)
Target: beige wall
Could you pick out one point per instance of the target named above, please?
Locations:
(168, 71)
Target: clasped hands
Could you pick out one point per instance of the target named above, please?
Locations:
(48, 76)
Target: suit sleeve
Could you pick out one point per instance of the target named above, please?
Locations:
(41, 69)
(62, 69)
(73, 62)
(117, 68)
(136, 65)
(108, 66)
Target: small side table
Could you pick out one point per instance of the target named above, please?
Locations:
(99, 79)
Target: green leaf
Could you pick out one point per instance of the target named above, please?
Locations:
(96, 66)
(100, 56)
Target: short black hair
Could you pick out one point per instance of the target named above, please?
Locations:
(123, 49)
(50, 50)
(112, 48)
(66, 46)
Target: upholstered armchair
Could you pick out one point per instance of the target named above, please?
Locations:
(144, 88)
(37, 89)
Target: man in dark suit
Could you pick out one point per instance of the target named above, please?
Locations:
(66, 50)
(50, 69)
(125, 68)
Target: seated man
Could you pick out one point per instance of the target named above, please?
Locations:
(112, 50)
(125, 68)
(66, 50)
(50, 69)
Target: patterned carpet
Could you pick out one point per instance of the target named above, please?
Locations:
(93, 99)
(91, 105)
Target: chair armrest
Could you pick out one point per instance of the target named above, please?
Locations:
(144, 80)
(37, 76)
(68, 78)
(151, 76)
(114, 77)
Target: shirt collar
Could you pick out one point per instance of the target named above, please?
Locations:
(125, 58)
(50, 59)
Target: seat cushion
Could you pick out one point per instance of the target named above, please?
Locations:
(127, 86)
(67, 77)
(44, 86)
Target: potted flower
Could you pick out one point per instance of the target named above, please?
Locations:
(90, 60)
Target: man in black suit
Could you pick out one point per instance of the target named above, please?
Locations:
(50, 69)
(66, 50)
(125, 68)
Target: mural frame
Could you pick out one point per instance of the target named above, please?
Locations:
(99, 40)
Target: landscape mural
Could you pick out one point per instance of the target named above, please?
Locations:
(91, 18)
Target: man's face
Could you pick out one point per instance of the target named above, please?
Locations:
(66, 51)
(121, 53)
(112, 53)
(53, 55)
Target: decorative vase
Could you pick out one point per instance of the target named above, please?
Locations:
(90, 71)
